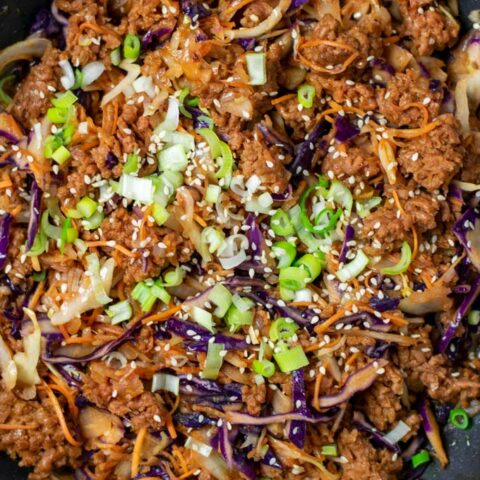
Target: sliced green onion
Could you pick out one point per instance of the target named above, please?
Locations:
(93, 222)
(203, 318)
(285, 253)
(120, 312)
(5, 99)
(225, 162)
(222, 298)
(282, 329)
(174, 278)
(65, 100)
(52, 143)
(192, 102)
(212, 238)
(131, 47)
(327, 216)
(40, 243)
(257, 68)
(286, 294)
(354, 268)
(67, 133)
(305, 95)
(139, 189)
(165, 186)
(291, 359)
(132, 165)
(78, 79)
(403, 263)
(58, 115)
(293, 278)
(166, 382)
(61, 155)
(213, 141)
(313, 264)
(264, 368)
(212, 193)
(420, 458)
(160, 214)
(341, 195)
(214, 361)
(51, 231)
(144, 296)
(313, 244)
(329, 450)
(363, 207)
(39, 276)
(242, 303)
(116, 56)
(473, 317)
(280, 224)
(87, 207)
(68, 234)
(173, 158)
(459, 418)
(159, 291)
(179, 138)
(235, 318)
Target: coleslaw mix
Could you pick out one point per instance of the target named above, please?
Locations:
(239, 239)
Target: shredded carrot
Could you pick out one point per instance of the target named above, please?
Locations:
(421, 107)
(283, 98)
(61, 388)
(6, 183)
(158, 317)
(412, 132)
(350, 360)
(137, 450)
(329, 43)
(199, 220)
(316, 392)
(415, 242)
(105, 243)
(37, 295)
(171, 427)
(395, 319)
(397, 201)
(186, 474)
(178, 454)
(14, 426)
(64, 331)
(16, 211)
(58, 410)
(97, 28)
(329, 322)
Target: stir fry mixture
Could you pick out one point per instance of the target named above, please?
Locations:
(239, 239)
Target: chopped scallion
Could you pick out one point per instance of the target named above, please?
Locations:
(459, 418)
(131, 47)
(291, 359)
(264, 368)
(285, 252)
(354, 268)
(403, 263)
(282, 329)
(293, 278)
(120, 312)
(257, 68)
(420, 458)
(280, 224)
(305, 96)
(214, 361)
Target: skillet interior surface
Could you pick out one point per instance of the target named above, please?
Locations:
(463, 446)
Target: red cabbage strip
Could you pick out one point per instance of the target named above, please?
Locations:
(98, 352)
(154, 37)
(201, 336)
(221, 442)
(344, 130)
(193, 420)
(384, 304)
(237, 418)
(194, 9)
(34, 214)
(275, 139)
(298, 428)
(254, 236)
(462, 310)
(304, 151)
(304, 318)
(5, 223)
(271, 460)
(366, 319)
(461, 228)
(378, 437)
(349, 234)
(357, 382)
(432, 431)
(157, 472)
(7, 135)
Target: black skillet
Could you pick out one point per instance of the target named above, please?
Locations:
(463, 446)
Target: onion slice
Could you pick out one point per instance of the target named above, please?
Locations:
(133, 71)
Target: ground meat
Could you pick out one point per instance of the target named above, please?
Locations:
(471, 166)
(122, 393)
(164, 246)
(257, 11)
(402, 90)
(433, 159)
(145, 15)
(352, 161)
(134, 130)
(382, 400)
(254, 396)
(359, 95)
(365, 461)
(427, 25)
(257, 159)
(34, 94)
(43, 448)
(300, 122)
